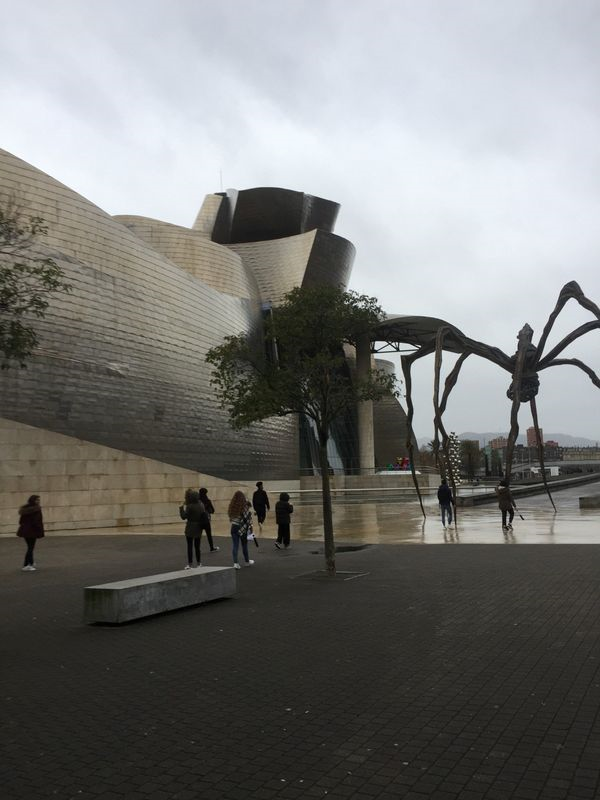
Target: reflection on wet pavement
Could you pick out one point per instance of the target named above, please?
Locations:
(402, 523)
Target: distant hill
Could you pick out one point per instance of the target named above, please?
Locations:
(564, 439)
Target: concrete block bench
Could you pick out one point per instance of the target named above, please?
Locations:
(122, 601)
(591, 501)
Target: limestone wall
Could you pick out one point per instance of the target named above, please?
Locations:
(86, 485)
(387, 481)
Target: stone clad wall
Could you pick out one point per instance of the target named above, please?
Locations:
(85, 485)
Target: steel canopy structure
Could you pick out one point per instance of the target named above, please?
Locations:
(420, 333)
(414, 331)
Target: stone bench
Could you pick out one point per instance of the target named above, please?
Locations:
(591, 501)
(122, 601)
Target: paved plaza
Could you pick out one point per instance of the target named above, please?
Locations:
(468, 668)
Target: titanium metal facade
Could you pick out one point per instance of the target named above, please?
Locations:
(121, 358)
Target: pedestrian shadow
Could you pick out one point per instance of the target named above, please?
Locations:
(451, 535)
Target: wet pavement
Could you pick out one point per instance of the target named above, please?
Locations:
(402, 522)
(442, 672)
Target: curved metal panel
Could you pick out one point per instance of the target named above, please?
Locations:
(260, 214)
(212, 263)
(121, 361)
(331, 260)
(278, 265)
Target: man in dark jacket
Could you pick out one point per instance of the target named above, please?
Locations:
(446, 502)
(260, 504)
(283, 511)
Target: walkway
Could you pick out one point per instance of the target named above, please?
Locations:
(447, 672)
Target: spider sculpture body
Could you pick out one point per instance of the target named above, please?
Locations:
(524, 367)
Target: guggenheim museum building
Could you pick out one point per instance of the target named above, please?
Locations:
(120, 375)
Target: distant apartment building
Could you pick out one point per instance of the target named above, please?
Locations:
(499, 443)
(532, 439)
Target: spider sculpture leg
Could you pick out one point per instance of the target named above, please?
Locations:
(406, 362)
(451, 380)
(440, 407)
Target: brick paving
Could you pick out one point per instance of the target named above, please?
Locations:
(440, 672)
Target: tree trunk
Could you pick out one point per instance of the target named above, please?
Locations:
(327, 510)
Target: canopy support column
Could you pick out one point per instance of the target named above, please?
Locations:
(366, 438)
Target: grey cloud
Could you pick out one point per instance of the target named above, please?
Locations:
(460, 138)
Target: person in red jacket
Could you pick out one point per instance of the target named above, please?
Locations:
(31, 528)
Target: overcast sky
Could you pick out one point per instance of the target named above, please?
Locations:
(461, 137)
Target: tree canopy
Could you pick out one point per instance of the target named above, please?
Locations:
(27, 279)
(297, 364)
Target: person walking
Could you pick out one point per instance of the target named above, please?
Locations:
(260, 504)
(31, 528)
(194, 513)
(283, 511)
(446, 501)
(240, 517)
(506, 504)
(210, 510)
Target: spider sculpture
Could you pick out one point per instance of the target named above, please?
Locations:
(523, 367)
